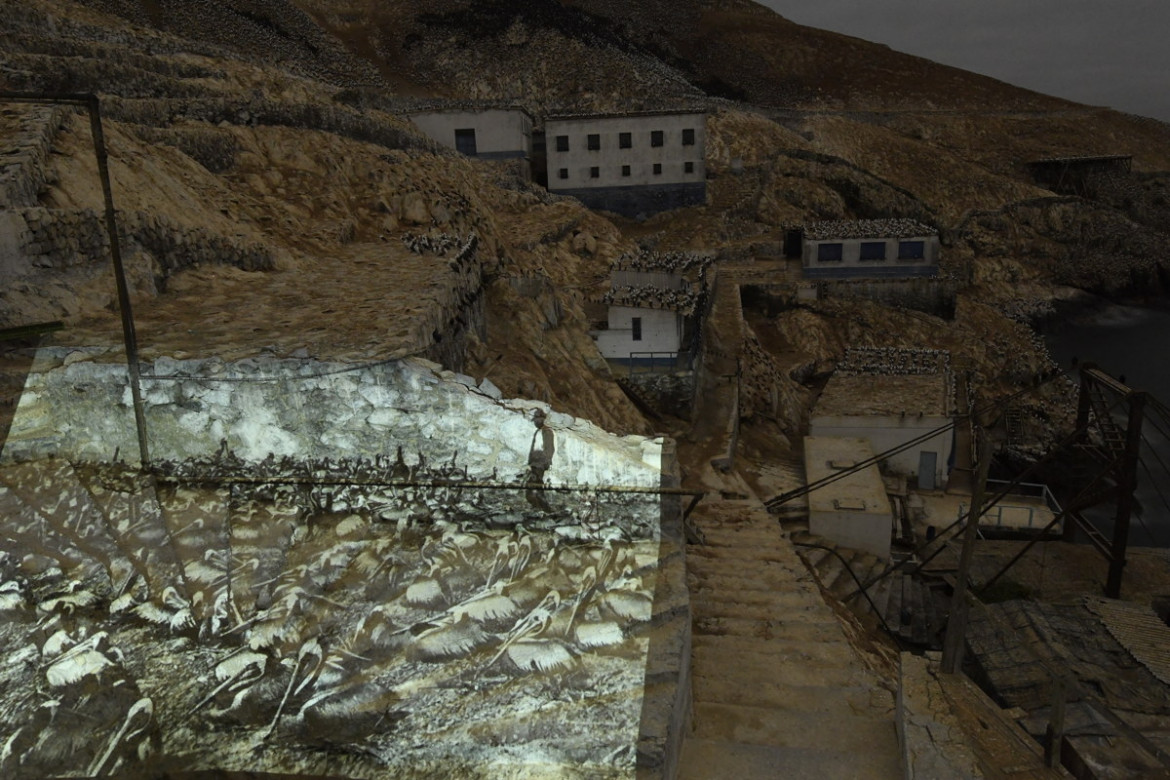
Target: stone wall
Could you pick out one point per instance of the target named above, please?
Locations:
(41, 248)
(669, 392)
(932, 296)
(26, 150)
(79, 409)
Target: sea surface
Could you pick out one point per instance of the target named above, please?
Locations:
(1131, 343)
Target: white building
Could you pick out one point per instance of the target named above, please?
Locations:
(631, 164)
(869, 248)
(487, 134)
(647, 317)
(853, 510)
(634, 333)
(890, 397)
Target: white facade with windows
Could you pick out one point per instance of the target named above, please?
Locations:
(488, 134)
(635, 329)
(632, 163)
(869, 248)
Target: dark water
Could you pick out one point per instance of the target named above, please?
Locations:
(1134, 343)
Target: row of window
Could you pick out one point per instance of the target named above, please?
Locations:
(595, 171)
(872, 251)
(625, 140)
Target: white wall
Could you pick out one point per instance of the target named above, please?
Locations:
(82, 410)
(497, 131)
(610, 158)
(661, 332)
(885, 432)
(859, 530)
(851, 252)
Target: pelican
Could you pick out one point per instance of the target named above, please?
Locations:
(235, 672)
(125, 733)
(66, 602)
(449, 637)
(312, 648)
(11, 597)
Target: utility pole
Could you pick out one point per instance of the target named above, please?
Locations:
(92, 105)
(954, 641)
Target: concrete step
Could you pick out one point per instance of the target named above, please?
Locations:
(783, 595)
(792, 692)
(766, 570)
(817, 628)
(779, 552)
(717, 760)
(836, 730)
(717, 664)
(798, 609)
(778, 649)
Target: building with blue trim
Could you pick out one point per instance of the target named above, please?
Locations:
(869, 248)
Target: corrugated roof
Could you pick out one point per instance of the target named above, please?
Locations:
(1139, 630)
(867, 228)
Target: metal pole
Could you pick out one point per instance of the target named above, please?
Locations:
(128, 335)
(953, 643)
(93, 105)
(1054, 736)
(1126, 484)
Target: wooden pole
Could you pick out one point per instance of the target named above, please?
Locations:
(1126, 484)
(953, 642)
(1054, 734)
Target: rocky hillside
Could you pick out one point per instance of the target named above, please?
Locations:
(261, 163)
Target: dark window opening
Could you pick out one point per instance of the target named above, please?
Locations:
(562, 143)
(656, 138)
(830, 253)
(465, 141)
(636, 328)
(625, 140)
(594, 173)
(625, 170)
(657, 169)
(688, 137)
(563, 173)
(688, 167)
(873, 250)
(911, 250)
(593, 142)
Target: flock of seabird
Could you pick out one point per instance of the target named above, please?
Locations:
(278, 613)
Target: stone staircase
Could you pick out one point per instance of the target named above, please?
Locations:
(778, 689)
(913, 609)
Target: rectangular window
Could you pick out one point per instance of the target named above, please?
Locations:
(873, 250)
(911, 250)
(656, 138)
(625, 170)
(688, 167)
(562, 143)
(593, 142)
(636, 328)
(625, 140)
(563, 173)
(688, 137)
(465, 141)
(830, 253)
(657, 169)
(595, 172)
